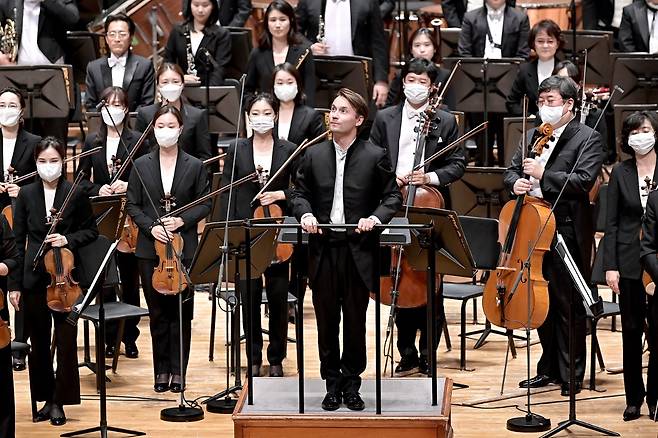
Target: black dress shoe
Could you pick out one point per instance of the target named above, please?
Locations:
(43, 414)
(18, 363)
(652, 413)
(161, 383)
(353, 401)
(331, 401)
(109, 351)
(423, 366)
(276, 371)
(176, 385)
(131, 351)
(407, 364)
(564, 392)
(57, 416)
(631, 413)
(255, 371)
(538, 381)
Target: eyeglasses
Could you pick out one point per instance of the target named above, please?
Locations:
(549, 42)
(114, 34)
(549, 102)
(11, 105)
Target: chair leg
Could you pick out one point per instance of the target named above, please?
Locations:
(599, 355)
(117, 345)
(213, 319)
(594, 346)
(446, 335)
(475, 311)
(462, 345)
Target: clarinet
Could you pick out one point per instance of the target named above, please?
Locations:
(191, 65)
(320, 37)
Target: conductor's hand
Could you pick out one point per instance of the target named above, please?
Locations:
(56, 240)
(522, 186)
(160, 234)
(533, 168)
(310, 225)
(365, 224)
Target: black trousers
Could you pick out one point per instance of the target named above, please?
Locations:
(276, 289)
(634, 313)
(652, 372)
(7, 409)
(338, 286)
(63, 386)
(554, 332)
(409, 321)
(127, 263)
(164, 323)
(18, 326)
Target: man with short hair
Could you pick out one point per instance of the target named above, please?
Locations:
(346, 180)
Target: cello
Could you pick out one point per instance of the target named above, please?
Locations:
(528, 226)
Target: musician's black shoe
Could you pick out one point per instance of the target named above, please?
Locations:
(331, 401)
(109, 351)
(565, 389)
(57, 416)
(43, 414)
(131, 351)
(652, 413)
(255, 370)
(176, 385)
(423, 366)
(18, 363)
(353, 401)
(538, 381)
(631, 413)
(276, 371)
(161, 383)
(408, 365)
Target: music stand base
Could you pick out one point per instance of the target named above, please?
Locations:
(529, 423)
(575, 422)
(223, 406)
(181, 414)
(104, 430)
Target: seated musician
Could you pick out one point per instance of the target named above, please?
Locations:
(572, 144)
(77, 228)
(629, 188)
(232, 13)
(121, 68)
(454, 10)
(638, 30)
(604, 15)
(296, 121)
(167, 170)
(199, 46)
(366, 36)
(268, 152)
(195, 138)
(117, 139)
(279, 43)
(394, 131)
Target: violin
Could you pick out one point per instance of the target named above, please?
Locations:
(514, 296)
(8, 210)
(5, 332)
(128, 240)
(283, 251)
(168, 277)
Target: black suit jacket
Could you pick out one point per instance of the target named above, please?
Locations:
(195, 138)
(634, 28)
(190, 183)
(574, 209)
(621, 243)
(138, 81)
(473, 37)
(234, 13)
(597, 10)
(368, 36)
(96, 164)
(396, 91)
(261, 66)
(385, 132)
(244, 165)
(56, 17)
(22, 160)
(306, 123)
(525, 83)
(649, 242)
(369, 189)
(454, 10)
(216, 40)
(77, 225)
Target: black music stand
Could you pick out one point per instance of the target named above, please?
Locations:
(110, 214)
(621, 112)
(82, 48)
(598, 44)
(480, 192)
(450, 42)
(637, 75)
(222, 116)
(241, 45)
(206, 268)
(95, 120)
(513, 133)
(336, 72)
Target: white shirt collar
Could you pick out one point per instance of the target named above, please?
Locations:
(121, 60)
(410, 112)
(339, 150)
(495, 14)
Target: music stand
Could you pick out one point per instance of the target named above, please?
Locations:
(637, 75)
(621, 112)
(241, 45)
(222, 116)
(110, 214)
(480, 192)
(95, 120)
(513, 133)
(81, 48)
(598, 44)
(205, 268)
(336, 72)
(48, 89)
(450, 42)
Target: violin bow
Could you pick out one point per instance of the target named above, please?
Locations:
(452, 145)
(66, 160)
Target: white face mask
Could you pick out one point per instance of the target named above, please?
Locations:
(285, 92)
(49, 172)
(261, 124)
(642, 143)
(551, 114)
(416, 93)
(10, 116)
(113, 113)
(171, 92)
(166, 137)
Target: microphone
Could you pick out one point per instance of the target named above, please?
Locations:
(100, 104)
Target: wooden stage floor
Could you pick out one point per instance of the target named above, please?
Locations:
(134, 380)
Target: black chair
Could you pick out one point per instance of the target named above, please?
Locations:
(599, 223)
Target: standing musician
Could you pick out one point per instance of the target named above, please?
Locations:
(232, 13)
(101, 167)
(628, 190)
(296, 121)
(346, 180)
(280, 42)
(17, 155)
(121, 68)
(76, 228)
(199, 46)
(394, 131)
(265, 152)
(548, 173)
(454, 10)
(195, 138)
(167, 170)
